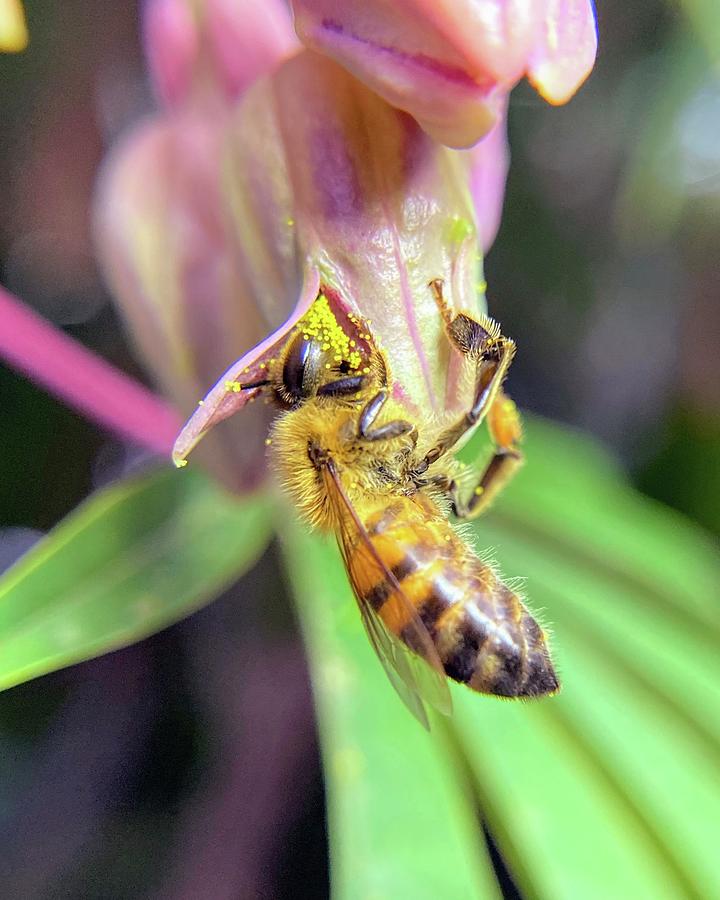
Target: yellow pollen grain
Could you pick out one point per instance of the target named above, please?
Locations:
(320, 324)
(479, 490)
(268, 441)
(232, 387)
(180, 463)
(201, 403)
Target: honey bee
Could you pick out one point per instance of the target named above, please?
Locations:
(354, 464)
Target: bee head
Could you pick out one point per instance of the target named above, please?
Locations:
(321, 360)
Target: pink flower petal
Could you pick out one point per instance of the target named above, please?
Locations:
(84, 381)
(412, 69)
(247, 39)
(171, 47)
(212, 50)
(450, 63)
(221, 401)
(489, 162)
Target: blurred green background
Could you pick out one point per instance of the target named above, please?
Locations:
(187, 765)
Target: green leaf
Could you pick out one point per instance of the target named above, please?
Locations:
(610, 789)
(131, 560)
(401, 817)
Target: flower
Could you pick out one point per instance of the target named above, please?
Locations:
(222, 218)
(451, 63)
(333, 190)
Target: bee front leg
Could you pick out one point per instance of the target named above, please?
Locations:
(494, 353)
(369, 414)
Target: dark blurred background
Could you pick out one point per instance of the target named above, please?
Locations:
(187, 766)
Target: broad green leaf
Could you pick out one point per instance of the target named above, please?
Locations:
(401, 817)
(610, 789)
(131, 560)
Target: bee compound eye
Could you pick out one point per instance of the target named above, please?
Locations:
(301, 368)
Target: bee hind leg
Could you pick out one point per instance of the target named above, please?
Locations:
(503, 464)
(368, 415)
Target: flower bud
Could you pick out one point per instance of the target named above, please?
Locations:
(164, 232)
(451, 63)
(211, 50)
(168, 252)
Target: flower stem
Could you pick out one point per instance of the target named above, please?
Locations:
(81, 379)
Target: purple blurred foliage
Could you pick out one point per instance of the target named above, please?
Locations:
(76, 772)
(82, 379)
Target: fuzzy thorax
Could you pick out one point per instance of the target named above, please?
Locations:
(370, 471)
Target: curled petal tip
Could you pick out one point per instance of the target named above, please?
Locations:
(234, 390)
(564, 56)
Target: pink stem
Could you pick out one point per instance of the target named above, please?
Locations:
(85, 382)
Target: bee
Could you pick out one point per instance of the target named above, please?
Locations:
(354, 464)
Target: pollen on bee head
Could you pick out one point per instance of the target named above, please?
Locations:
(320, 323)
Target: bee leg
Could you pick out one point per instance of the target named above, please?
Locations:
(492, 367)
(341, 387)
(385, 432)
(506, 431)
(498, 472)
(493, 353)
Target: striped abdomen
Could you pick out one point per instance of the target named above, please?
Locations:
(483, 634)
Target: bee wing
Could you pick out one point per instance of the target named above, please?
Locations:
(418, 674)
